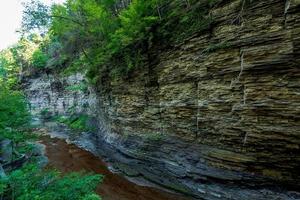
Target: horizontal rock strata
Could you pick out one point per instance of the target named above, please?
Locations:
(216, 117)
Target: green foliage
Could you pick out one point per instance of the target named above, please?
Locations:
(181, 20)
(135, 23)
(53, 48)
(91, 197)
(36, 16)
(8, 69)
(39, 59)
(3, 64)
(19, 58)
(23, 148)
(28, 56)
(61, 119)
(44, 111)
(32, 183)
(75, 122)
(13, 109)
(80, 123)
(109, 38)
(14, 117)
(23, 50)
(46, 114)
(78, 87)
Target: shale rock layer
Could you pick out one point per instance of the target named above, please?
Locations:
(216, 117)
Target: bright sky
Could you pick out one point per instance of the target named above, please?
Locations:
(10, 20)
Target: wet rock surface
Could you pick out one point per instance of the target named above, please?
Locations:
(11, 159)
(215, 124)
(6, 151)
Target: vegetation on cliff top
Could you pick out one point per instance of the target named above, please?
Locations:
(110, 36)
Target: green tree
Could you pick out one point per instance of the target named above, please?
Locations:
(36, 16)
(114, 35)
(39, 59)
(13, 108)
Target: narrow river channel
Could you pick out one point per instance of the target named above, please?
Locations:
(68, 158)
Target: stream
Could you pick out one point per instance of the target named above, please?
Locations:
(69, 158)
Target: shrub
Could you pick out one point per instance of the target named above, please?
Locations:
(80, 123)
(44, 111)
(75, 122)
(13, 109)
(39, 59)
(32, 183)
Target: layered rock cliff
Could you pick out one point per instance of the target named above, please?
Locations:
(216, 117)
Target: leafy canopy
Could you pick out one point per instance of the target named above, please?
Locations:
(113, 36)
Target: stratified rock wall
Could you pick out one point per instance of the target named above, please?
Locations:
(228, 98)
(216, 117)
(59, 95)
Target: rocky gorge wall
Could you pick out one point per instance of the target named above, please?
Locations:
(216, 117)
(59, 95)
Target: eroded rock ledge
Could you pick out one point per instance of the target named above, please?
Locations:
(216, 117)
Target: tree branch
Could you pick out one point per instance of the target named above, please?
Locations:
(66, 18)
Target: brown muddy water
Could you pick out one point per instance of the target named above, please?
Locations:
(69, 158)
